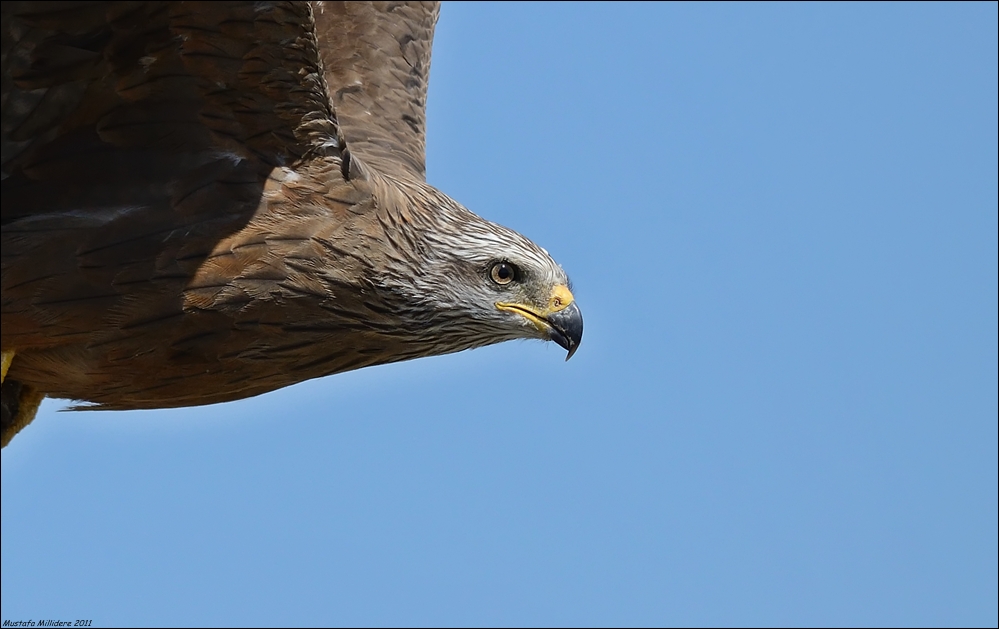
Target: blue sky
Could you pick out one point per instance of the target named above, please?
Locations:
(781, 225)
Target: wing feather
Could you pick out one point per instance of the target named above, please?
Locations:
(136, 138)
(171, 84)
(178, 174)
(377, 69)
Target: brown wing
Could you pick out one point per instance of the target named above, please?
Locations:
(136, 137)
(377, 63)
(151, 89)
(175, 179)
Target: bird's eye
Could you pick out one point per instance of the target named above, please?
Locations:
(503, 273)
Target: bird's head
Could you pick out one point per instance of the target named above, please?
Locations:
(475, 283)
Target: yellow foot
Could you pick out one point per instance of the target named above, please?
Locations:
(5, 360)
(19, 401)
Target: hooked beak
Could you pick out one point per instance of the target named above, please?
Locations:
(566, 328)
(561, 320)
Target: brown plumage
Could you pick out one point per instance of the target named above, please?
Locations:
(207, 201)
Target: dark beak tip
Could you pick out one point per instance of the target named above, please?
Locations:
(567, 329)
(572, 350)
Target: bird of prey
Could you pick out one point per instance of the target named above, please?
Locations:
(204, 202)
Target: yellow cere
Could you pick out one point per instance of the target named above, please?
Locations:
(561, 297)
